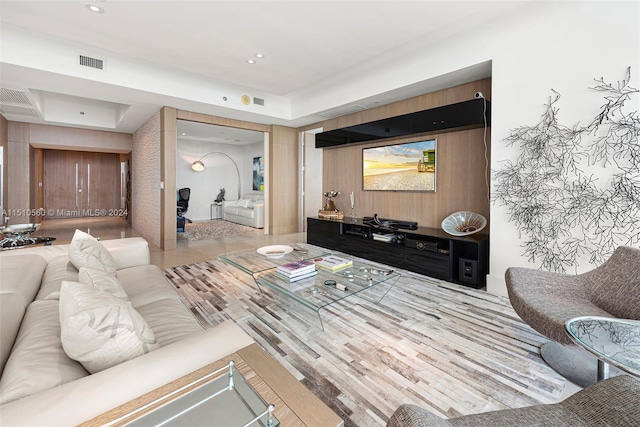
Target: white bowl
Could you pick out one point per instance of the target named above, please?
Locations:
(275, 251)
(463, 223)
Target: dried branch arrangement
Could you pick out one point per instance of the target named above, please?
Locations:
(551, 193)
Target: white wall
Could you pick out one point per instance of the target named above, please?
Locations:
(564, 46)
(219, 173)
(534, 48)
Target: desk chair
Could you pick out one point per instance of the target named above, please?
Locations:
(182, 208)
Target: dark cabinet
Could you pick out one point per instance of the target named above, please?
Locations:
(427, 251)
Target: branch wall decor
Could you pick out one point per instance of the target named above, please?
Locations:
(551, 193)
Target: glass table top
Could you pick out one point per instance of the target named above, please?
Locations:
(614, 341)
(252, 262)
(313, 293)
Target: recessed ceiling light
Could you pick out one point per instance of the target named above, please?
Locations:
(94, 8)
(251, 61)
(259, 55)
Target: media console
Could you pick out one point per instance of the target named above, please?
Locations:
(428, 251)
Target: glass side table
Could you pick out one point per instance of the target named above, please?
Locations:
(226, 399)
(613, 341)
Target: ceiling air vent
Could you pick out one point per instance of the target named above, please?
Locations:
(87, 61)
(17, 102)
(258, 101)
(12, 96)
(21, 111)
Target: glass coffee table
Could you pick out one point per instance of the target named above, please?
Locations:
(307, 297)
(253, 263)
(316, 293)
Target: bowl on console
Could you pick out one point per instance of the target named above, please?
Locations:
(18, 230)
(463, 223)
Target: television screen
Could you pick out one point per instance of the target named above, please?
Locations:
(401, 167)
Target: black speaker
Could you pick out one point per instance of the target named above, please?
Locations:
(468, 271)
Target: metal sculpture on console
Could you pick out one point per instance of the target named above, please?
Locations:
(198, 166)
(330, 210)
(551, 195)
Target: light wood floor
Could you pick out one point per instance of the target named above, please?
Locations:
(187, 252)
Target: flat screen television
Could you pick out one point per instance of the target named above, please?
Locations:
(409, 166)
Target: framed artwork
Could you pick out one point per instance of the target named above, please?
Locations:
(409, 166)
(258, 173)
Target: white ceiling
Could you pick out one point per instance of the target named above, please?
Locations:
(180, 51)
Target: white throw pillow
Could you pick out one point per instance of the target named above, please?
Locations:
(103, 281)
(86, 251)
(99, 330)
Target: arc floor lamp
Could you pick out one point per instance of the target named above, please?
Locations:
(198, 166)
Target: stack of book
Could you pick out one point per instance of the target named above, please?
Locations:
(297, 270)
(332, 262)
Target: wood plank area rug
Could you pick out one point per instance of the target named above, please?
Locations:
(217, 228)
(447, 348)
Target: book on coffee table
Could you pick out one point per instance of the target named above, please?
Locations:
(295, 278)
(332, 262)
(296, 268)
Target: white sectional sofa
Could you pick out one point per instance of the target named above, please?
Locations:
(41, 385)
(249, 210)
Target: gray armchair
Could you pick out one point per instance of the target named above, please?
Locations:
(613, 402)
(546, 300)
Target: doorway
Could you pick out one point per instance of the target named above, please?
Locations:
(231, 159)
(80, 184)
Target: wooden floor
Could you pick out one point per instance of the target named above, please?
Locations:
(415, 330)
(450, 349)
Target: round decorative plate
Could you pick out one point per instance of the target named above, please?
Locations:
(275, 251)
(463, 223)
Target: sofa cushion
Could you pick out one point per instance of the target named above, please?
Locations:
(245, 203)
(58, 269)
(99, 330)
(87, 251)
(146, 284)
(38, 361)
(20, 277)
(153, 296)
(102, 281)
(239, 211)
(170, 320)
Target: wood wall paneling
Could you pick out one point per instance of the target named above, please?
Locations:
(36, 181)
(462, 171)
(221, 121)
(80, 184)
(283, 179)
